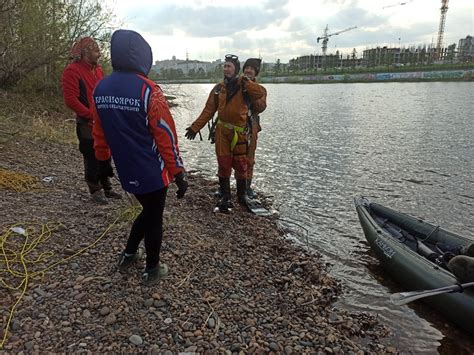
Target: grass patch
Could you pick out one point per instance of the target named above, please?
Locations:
(35, 116)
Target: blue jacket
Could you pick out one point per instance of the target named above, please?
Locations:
(132, 121)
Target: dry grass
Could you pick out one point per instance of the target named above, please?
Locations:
(35, 116)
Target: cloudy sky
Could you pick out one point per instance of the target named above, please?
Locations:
(285, 29)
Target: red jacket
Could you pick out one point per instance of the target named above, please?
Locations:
(78, 81)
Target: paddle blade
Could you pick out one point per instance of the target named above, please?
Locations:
(407, 297)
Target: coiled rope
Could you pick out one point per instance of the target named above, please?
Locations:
(17, 261)
(18, 182)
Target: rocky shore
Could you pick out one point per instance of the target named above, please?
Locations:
(236, 285)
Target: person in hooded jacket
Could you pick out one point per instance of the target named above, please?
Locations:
(78, 81)
(230, 99)
(133, 124)
(251, 69)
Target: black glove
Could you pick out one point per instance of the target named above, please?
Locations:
(190, 134)
(180, 180)
(104, 169)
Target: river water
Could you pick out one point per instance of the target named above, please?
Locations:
(409, 146)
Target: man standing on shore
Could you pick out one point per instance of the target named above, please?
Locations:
(228, 98)
(78, 81)
(251, 69)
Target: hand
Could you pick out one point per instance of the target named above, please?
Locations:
(180, 180)
(104, 169)
(190, 134)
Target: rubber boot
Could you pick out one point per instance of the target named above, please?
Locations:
(250, 193)
(225, 202)
(242, 191)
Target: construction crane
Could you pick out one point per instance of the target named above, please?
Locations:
(397, 4)
(442, 21)
(325, 37)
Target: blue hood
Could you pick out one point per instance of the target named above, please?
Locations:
(130, 52)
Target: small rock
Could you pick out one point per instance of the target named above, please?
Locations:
(104, 311)
(274, 346)
(159, 304)
(86, 313)
(211, 323)
(149, 302)
(110, 319)
(168, 321)
(29, 345)
(136, 339)
(235, 347)
(191, 349)
(15, 325)
(74, 266)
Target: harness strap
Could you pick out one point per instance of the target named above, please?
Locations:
(236, 129)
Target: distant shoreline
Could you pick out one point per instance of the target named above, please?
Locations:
(410, 76)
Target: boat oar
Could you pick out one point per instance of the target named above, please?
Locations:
(406, 297)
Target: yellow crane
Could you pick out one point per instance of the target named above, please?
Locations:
(326, 35)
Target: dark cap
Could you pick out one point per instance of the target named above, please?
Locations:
(234, 60)
(254, 63)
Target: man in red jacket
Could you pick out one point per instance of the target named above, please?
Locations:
(78, 81)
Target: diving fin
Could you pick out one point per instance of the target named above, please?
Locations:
(257, 208)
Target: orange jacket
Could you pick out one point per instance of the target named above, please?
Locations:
(235, 111)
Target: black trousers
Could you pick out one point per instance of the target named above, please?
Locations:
(149, 225)
(86, 147)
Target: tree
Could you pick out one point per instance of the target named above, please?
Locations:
(36, 35)
(278, 66)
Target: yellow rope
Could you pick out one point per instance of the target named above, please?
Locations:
(15, 181)
(17, 265)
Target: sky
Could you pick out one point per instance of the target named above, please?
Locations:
(285, 29)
